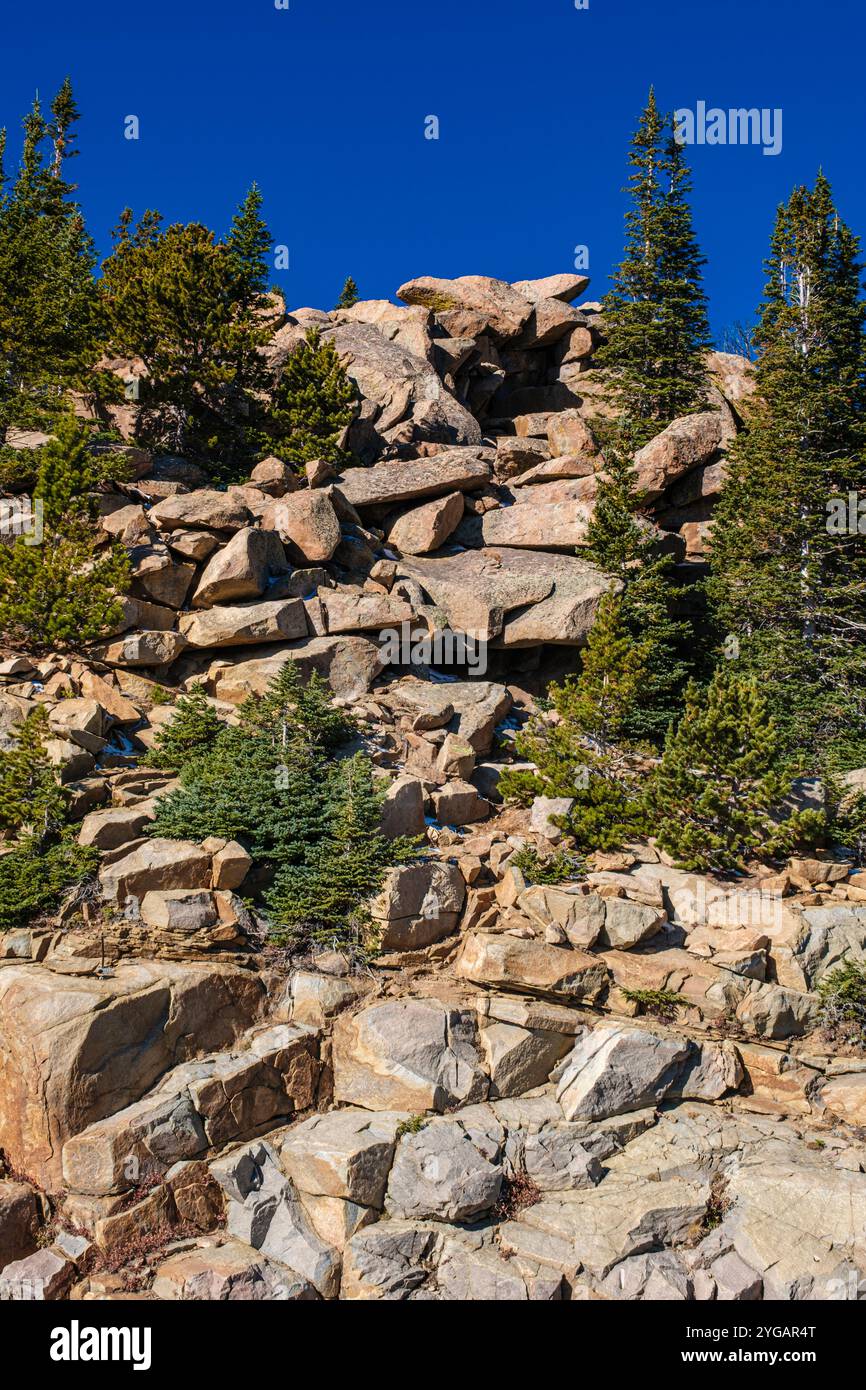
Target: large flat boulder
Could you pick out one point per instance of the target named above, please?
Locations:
(418, 904)
(215, 511)
(407, 1054)
(684, 444)
(74, 1048)
(386, 484)
(530, 966)
(538, 526)
(156, 864)
(514, 597)
(242, 625)
(503, 309)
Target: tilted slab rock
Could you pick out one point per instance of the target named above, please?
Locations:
(454, 470)
(531, 966)
(477, 589)
(683, 445)
(306, 520)
(519, 1059)
(401, 385)
(245, 625)
(389, 1260)
(241, 569)
(407, 1055)
(74, 1048)
(504, 309)
(144, 649)
(615, 1069)
(217, 511)
(565, 287)
(113, 827)
(426, 527)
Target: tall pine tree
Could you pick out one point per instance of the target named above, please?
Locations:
(656, 314)
(788, 580)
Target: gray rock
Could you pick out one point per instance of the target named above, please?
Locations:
(615, 1069)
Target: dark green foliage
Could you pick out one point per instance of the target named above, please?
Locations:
(323, 897)
(658, 1003)
(622, 545)
(309, 819)
(33, 879)
(191, 733)
(586, 754)
(656, 315)
(51, 327)
(62, 591)
(43, 859)
(348, 294)
(248, 244)
(313, 403)
(788, 586)
(720, 781)
(558, 868)
(31, 799)
(187, 305)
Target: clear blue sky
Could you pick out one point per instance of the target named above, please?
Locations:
(324, 104)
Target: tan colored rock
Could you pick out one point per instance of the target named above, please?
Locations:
(45, 1276)
(427, 527)
(307, 521)
(532, 526)
(348, 610)
(179, 909)
(531, 967)
(113, 827)
(229, 1273)
(568, 433)
(20, 1220)
(156, 865)
(274, 476)
(231, 864)
(316, 997)
(245, 625)
(217, 511)
(407, 1054)
(240, 569)
(115, 705)
(74, 1048)
(419, 903)
(144, 649)
(458, 803)
(403, 807)
(565, 287)
(503, 309)
(683, 445)
(387, 484)
(845, 1096)
(345, 1154)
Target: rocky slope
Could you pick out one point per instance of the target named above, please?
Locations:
(617, 1087)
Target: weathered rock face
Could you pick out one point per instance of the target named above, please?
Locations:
(425, 528)
(387, 484)
(680, 447)
(244, 625)
(401, 386)
(419, 904)
(445, 1172)
(411, 1055)
(20, 1219)
(74, 1048)
(217, 511)
(503, 311)
(307, 522)
(532, 967)
(348, 664)
(616, 1069)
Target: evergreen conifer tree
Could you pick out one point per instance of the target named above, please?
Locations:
(720, 781)
(62, 591)
(348, 295)
(313, 403)
(190, 734)
(788, 577)
(621, 544)
(656, 315)
(31, 798)
(585, 753)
